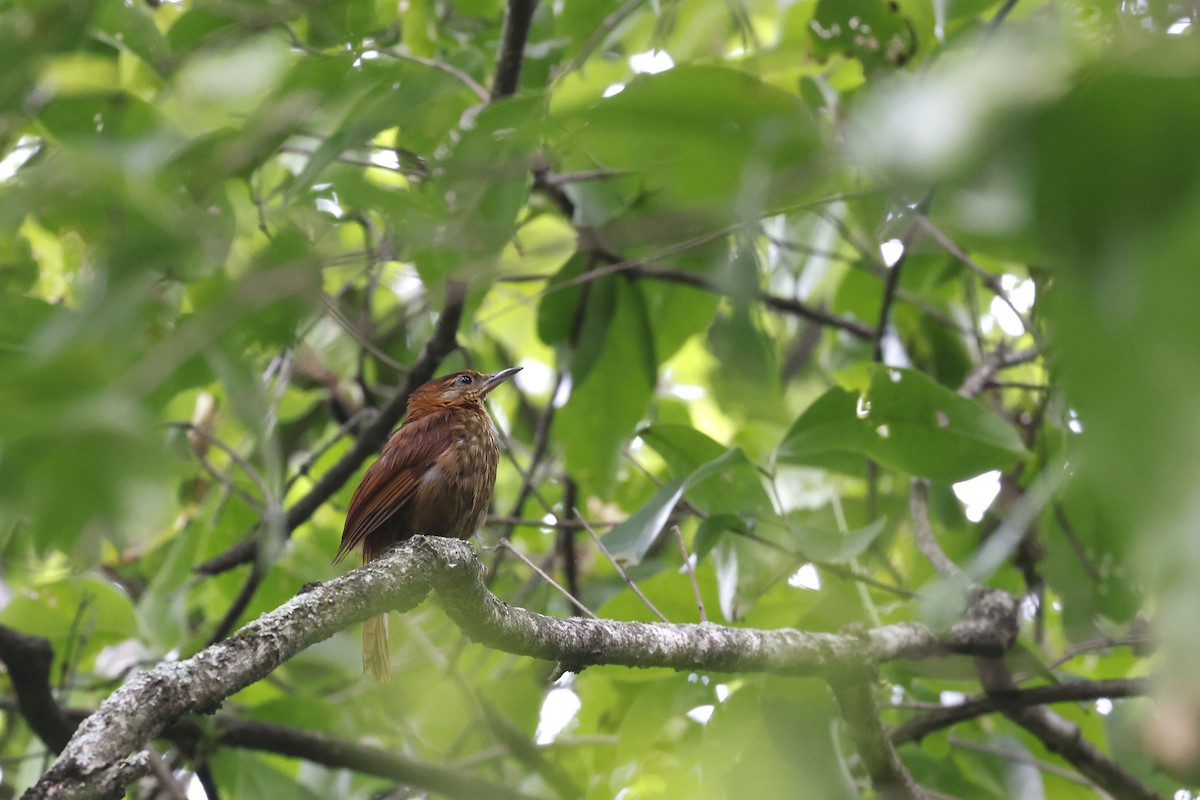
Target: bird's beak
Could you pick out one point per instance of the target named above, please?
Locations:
(496, 378)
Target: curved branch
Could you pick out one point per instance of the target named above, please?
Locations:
(28, 660)
(99, 752)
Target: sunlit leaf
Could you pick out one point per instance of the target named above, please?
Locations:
(907, 422)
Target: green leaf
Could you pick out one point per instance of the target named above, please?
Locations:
(907, 422)
(874, 31)
(709, 145)
(737, 490)
(477, 191)
(559, 305)
(605, 408)
(629, 541)
(835, 547)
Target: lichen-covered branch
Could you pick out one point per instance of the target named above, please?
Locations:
(99, 754)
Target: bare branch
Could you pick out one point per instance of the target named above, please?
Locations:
(918, 728)
(1024, 758)
(449, 69)
(512, 47)
(1061, 736)
(927, 543)
(893, 278)
(28, 660)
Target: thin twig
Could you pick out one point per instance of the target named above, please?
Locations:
(234, 456)
(301, 471)
(361, 338)
(606, 26)
(566, 178)
(691, 571)
(893, 278)
(505, 543)
(565, 539)
(621, 570)
(229, 483)
(979, 377)
(1131, 640)
(557, 524)
(998, 20)
(449, 69)
(1076, 545)
(990, 280)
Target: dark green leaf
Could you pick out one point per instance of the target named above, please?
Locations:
(907, 422)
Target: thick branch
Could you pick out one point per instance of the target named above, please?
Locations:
(149, 701)
(368, 442)
(321, 748)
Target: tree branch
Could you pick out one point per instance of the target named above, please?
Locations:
(336, 753)
(927, 543)
(916, 729)
(512, 47)
(320, 748)
(99, 752)
(774, 302)
(1061, 736)
(28, 660)
(888, 774)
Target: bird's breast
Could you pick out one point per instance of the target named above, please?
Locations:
(456, 490)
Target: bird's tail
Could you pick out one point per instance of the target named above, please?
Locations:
(377, 659)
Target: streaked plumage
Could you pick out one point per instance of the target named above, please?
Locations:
(435, 476)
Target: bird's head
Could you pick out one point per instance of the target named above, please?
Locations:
(457, 389)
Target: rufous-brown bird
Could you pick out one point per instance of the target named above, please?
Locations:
(435, 476)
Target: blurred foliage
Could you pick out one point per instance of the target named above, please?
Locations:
(226, 227)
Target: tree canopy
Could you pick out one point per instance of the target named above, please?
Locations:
(853, 452)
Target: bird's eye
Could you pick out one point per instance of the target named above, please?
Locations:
(465, 380)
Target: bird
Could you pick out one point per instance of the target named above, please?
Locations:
(435, 476)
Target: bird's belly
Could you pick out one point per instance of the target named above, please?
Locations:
(454, 495)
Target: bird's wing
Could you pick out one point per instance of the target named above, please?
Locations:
(390, 483)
